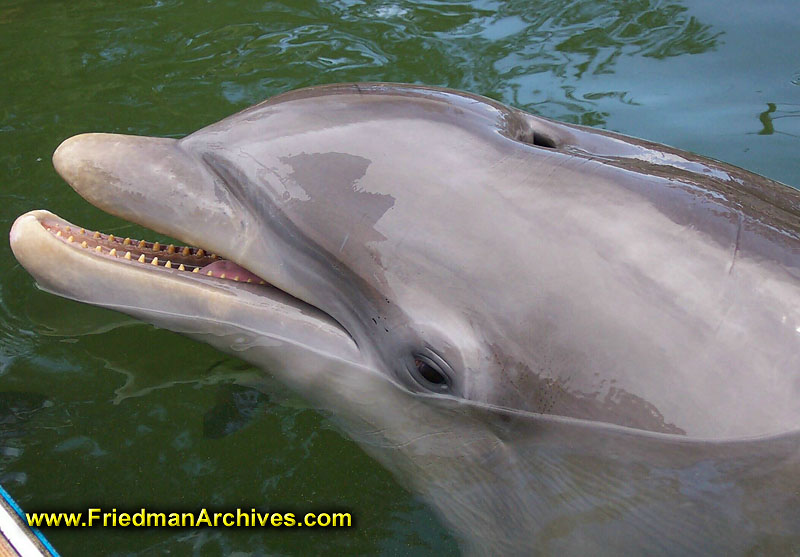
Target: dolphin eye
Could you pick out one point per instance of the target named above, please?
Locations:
(430, 373)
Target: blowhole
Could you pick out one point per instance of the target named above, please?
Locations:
(541, 140)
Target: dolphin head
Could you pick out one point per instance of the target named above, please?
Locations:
(353, 199)
(436, 269)
(463, 248)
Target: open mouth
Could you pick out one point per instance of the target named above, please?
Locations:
(125, 176)
(183, 288)
(164, 257)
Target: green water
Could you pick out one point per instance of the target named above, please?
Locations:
(99, 410)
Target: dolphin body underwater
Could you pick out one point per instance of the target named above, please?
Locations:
(564, 340)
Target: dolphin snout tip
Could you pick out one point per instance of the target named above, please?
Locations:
(90, 162)
(15, 234)
(72, 153)
(21, 222)
(24, 227)
(87, 159)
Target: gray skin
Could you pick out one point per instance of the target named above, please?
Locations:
(616, 323)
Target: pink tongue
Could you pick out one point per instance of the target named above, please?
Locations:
(231, 271)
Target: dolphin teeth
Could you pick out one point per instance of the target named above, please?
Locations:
(104, 244)
(263, 282)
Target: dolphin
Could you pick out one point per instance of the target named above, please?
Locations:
(565, 340)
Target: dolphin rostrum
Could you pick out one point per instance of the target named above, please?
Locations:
(564, 339)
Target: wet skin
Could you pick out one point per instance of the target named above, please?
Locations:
(562, 338)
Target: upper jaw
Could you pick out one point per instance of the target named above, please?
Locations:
(154, 182)
(158, 183)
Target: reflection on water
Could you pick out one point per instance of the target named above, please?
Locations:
(236, 406)
(111, 411)
(773, 113)
(526, 53)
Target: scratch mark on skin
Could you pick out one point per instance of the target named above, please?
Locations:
(419, 437)
(721, 321)
(736, 245)
(387, 444)
(346, 236)
(498, 162)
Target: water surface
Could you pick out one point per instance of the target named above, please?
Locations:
(99, 410)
